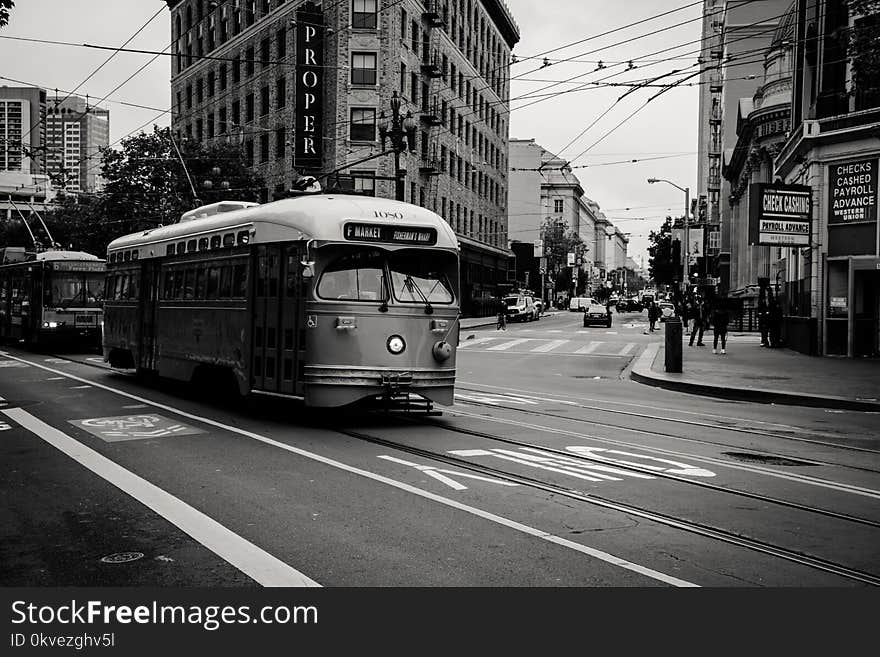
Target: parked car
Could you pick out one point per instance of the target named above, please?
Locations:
(596, 313)
(667, 310)
(520, 308)
(632, 305)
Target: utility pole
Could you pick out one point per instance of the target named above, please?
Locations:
(402, 134)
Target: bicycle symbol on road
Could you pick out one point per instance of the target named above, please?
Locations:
(133, 427)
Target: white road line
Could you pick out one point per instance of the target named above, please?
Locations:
(626, 349)
(550, 346)
(486, 515)
(79, 387)
(55, 378)
(241, 553)
(590, 348)
(507, 345)
(554, 331)
(471, 343)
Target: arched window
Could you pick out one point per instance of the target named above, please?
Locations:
(177, 26)
(189, 18)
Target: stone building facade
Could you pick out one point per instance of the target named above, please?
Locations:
(235, 77)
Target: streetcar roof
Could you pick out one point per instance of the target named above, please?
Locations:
(51, 256)
(319, 217)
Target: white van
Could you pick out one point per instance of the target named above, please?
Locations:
(577, 304)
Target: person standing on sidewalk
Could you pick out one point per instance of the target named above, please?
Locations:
(699, 315)
(720, 320)
(653, 314)
(763, 320)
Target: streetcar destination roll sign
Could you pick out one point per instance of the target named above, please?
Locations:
(780, 215)
(393, 234)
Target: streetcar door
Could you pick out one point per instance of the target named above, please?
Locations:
(266, 329)
(148, 309)
(292, 314)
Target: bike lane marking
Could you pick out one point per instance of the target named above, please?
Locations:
(446, 501)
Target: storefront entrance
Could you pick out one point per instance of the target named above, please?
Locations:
(866, 312)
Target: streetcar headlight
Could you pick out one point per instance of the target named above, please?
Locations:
(442, 351)
(50, 325)
(396, 344)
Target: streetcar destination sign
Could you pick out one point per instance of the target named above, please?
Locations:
(780, 215)
(394, 234)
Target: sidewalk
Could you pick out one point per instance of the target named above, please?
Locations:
(751, 372)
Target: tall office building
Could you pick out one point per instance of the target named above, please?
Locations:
(306, 88)
(22, 151)
(76, 132)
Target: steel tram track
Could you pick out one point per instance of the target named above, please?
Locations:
(659, 475)
(725, 536)
(755, 432)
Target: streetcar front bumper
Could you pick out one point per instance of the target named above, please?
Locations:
(335, 385)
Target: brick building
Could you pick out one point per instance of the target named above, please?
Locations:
(252, 71)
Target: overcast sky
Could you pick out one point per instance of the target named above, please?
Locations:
(665, 127)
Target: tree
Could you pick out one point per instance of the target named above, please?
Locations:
(5, 7)
(146, 186)
(559, 241)
(663, 267)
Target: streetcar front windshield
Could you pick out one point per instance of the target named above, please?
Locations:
(356, 276)
(417, 277)
(82, 290)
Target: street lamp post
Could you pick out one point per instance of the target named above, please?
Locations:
(687, 221)
(208, 184)
(401, 131)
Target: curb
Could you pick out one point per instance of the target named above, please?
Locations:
(642, 373)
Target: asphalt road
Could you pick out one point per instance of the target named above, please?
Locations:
(552, 469)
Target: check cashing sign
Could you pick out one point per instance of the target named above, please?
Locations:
(780, 215)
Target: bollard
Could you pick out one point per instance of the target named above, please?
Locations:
(673, 345)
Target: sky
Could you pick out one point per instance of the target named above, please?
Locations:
(665, 128)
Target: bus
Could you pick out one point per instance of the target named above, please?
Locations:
(328, 298)
(51, 298)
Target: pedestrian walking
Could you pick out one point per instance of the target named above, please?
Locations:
(653, 314)
(720, 320)
(763, 321)
(699, 315)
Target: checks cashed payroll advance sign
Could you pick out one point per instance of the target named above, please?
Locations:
(852, 192)
(780, 215)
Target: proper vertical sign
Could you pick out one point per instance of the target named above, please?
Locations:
(309, 86)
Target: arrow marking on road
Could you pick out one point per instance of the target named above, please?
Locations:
(439, 474)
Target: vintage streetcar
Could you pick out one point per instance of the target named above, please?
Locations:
(329, 298)
(51, 298)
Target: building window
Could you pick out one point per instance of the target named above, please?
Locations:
(222, 77)
(557, 205)
(363, 14)
(249, 61)
(403, 19)
(236, 113)
(221, 121)
(249, 152)
(281, 41)
(264, 53)
(199, 93)
(414, 88)
(414, 36)
(280, 92)
(364, 182)
(264, 148)
(363, 124)
(210, 126)
(210, 83)
(264, 101)
(249, 108)
(199, 129)
(363, 68)
(236, 69)
(402, 78)
(280, 143)
(189, 96)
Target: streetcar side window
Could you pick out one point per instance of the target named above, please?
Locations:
(190, 246)
(213, 282)
(203, 244)
(181, 248)
(358, 276)
(188, 283)
(226, 282)
(215, 242)
(178, 285)
(239, 281)
(133, 287)
(229, 239)
(168, 286)
(201, 283)
(169, 250)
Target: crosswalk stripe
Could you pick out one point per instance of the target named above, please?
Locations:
(471, 343)
(550, 346)
(626, 349)
(507, 345)
(590, 348)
